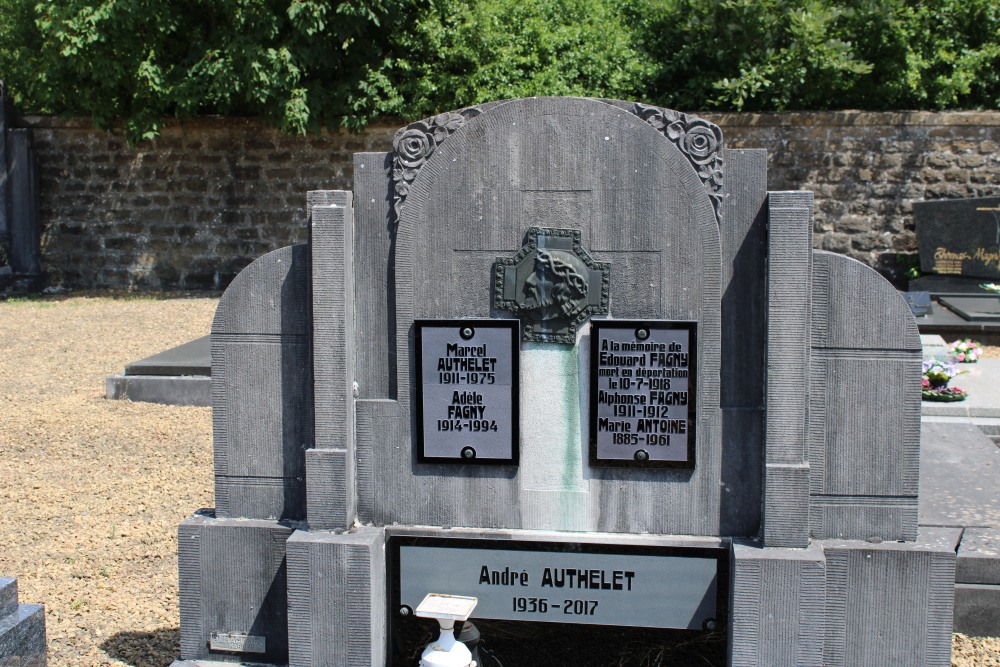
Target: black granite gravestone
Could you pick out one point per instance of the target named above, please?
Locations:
(959, 237)
(20, 231)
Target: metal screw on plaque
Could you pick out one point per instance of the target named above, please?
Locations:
(709, 624)
(642, 333)
(642, 455)
(404, 611)
(468, 453)
(467, 332)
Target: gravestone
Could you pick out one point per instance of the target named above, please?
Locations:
(958, 237)
(960, 252)
(570, 357)
(22, 629)
(20, 229)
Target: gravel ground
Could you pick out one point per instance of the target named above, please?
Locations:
(93, 489)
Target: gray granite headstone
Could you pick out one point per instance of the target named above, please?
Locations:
(262, 388)
(864, 405)
(805, 431)
(22, 629)
(641, 205)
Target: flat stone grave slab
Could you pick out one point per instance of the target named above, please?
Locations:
(191, 358)
(979, 557)
(178, 376)
(934, 346)
(977, 583)
(939, 319)
(959, 476)
(948, 285)
(974, 307)
(982, 381)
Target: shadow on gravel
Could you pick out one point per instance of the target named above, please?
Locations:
(144, 649)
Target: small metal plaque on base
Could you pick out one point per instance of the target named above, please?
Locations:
(237, 642)
(467, 391)
(643, 393)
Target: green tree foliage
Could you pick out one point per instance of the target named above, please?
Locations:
(458, 53)
(20, 43)
(302, 64)
(822, 54)
(292, 63)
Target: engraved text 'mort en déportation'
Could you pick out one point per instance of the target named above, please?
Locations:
(638, 390)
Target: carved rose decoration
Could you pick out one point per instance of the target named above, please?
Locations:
(445, 124)
(711, 173)
(699, 139)
(413, 145)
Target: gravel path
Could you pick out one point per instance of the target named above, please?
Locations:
(93, 489)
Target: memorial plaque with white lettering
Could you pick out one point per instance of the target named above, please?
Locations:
(682, 588)
(642, 393)
(467, 391)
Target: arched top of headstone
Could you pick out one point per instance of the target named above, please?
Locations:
(698, 140)
(879, 321)
(267, 296)
(610, 178)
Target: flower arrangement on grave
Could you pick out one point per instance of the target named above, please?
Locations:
(966, 351)
(991, 287)
(934, 383)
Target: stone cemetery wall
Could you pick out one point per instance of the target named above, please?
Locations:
(186, 212)
(193, 208)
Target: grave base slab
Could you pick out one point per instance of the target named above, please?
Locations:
(845, 602)
(336, 598)
(977, 610)
(233, 589)
(164, 389)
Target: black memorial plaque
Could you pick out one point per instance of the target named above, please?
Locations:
(642, 393)
(620, 585)
(467, 391)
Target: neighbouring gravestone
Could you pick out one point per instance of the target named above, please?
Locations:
(959, 237)
(570, 357)
(959, 243)
(22, 629)
(20, 228)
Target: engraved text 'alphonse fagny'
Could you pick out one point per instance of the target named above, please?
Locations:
(643, 393)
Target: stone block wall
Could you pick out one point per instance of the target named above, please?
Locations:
(867, 169)
(188, 211)
(191, 209)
